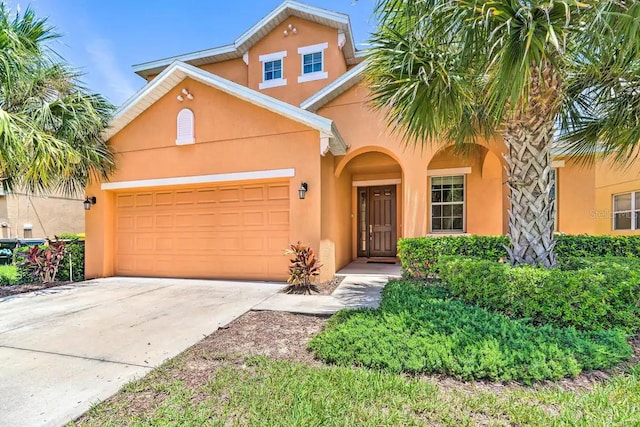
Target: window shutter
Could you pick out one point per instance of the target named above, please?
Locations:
(185, 127)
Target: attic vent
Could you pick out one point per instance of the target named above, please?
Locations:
(185, 127)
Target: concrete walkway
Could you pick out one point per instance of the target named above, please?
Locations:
(65, 348)
(361, 287)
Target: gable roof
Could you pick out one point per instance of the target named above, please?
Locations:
(247, 40)
(334, 89)
(178, 71)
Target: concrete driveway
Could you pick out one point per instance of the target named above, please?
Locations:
(63, 349)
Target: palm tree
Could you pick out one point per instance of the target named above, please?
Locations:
(461, 70)
(50, 126)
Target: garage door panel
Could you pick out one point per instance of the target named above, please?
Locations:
(230, 231)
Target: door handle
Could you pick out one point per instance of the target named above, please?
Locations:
(370, 231)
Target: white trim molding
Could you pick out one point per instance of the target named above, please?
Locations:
(308, 50)
(449, 171)
(270, 57)
(247, 40)
(557, 164)
(376, 182)
(200, 179)
(313, 76)
(272, 83)
(314, 48)
(273, 56)
(178, 71)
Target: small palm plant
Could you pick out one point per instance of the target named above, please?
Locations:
(303, 270)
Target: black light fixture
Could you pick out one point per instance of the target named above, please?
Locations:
(302, 191)
(88, 202)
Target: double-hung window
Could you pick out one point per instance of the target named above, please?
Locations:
(273, 70)
(626, 211)
(312, 67)
(447, 203)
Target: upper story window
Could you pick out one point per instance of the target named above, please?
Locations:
(312, 63)
(312, 67)
(185, 132)
(273, 70)
(626, 211)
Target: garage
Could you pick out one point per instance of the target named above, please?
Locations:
(235, 231)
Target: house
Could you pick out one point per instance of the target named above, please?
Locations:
(24, 215)
(229, 154)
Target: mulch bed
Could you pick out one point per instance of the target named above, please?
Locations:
(324, 288)
(9, 290)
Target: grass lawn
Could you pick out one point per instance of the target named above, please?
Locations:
(258, 373)
(8, 275)
(277, 393)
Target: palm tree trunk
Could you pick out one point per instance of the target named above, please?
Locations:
(529, 136)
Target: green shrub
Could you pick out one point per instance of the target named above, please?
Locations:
(73, 261)
(74, 256)
(420, 329)
(588, 294)
(8, 275)
(419, 256)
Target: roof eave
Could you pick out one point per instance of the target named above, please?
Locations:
(243, 43)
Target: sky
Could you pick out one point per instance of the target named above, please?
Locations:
(104, 38)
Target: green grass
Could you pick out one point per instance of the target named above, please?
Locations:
(421, 329)
(269, 393)
(8, 275)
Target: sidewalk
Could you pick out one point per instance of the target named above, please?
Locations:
(361, 288)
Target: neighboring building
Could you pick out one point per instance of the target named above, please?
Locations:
(213, 151)
(24, 215)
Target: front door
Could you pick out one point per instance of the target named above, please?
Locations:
(377, 221)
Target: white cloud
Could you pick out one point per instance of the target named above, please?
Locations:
(100, 51)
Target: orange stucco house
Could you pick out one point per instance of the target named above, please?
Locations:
(214, 151)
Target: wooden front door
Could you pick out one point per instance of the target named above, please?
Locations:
(377, 221)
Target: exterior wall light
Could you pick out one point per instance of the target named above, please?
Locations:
(88, 202)
(302, 191)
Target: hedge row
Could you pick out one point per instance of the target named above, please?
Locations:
(589, 294)
(419, 256)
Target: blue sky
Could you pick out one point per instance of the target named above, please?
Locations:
(104, 38)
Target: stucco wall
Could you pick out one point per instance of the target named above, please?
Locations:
(231, 136)
(49, 215)
(613, 179)
(308, 33)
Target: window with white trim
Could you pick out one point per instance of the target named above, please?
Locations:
(185, 129)
(312, 62)
(626, 211)
(273, 70)
(447, 203)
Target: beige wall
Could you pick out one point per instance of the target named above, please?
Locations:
(308, 34)
(240, 137)
(49, 215)
(613, 179)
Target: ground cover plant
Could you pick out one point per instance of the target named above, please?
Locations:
(8, 275)
(421, 329)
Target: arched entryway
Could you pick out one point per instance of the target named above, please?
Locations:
(466, 192)
(376, 182)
